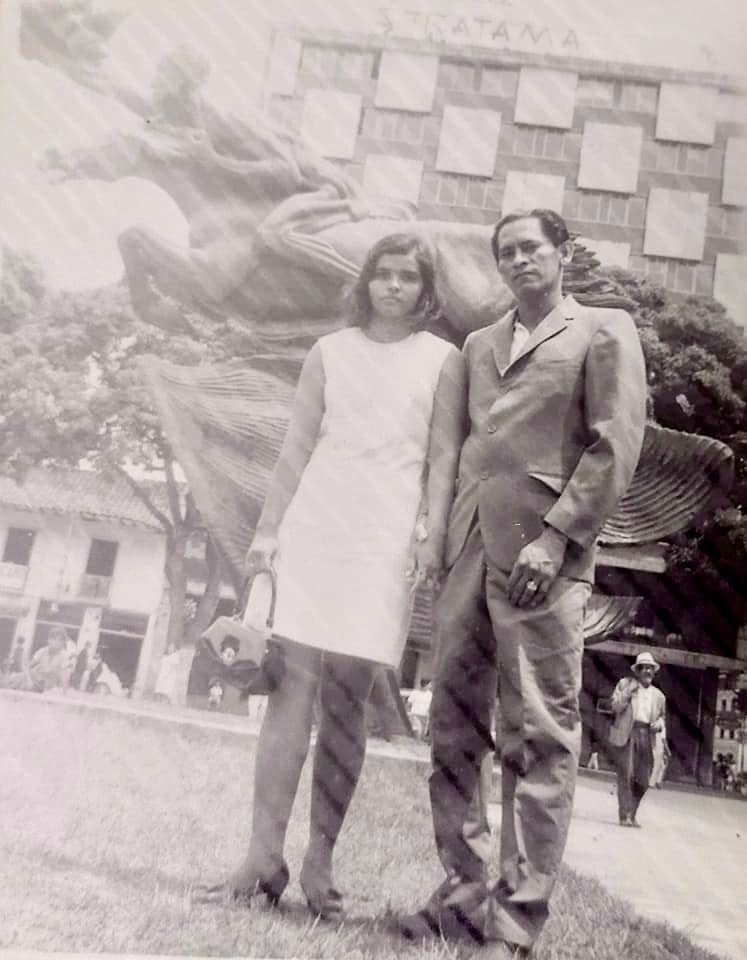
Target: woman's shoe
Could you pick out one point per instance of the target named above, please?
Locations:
(323, 899)
(243, 886)
(272, 887)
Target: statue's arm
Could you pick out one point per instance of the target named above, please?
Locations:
(258, 139)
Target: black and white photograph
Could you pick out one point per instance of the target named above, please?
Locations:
(373, 477)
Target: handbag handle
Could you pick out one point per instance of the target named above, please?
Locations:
(270, 571)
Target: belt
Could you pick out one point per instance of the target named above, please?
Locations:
(642, 723)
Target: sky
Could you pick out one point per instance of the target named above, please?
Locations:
(72, 227)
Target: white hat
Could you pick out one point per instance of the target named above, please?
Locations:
(644, 659)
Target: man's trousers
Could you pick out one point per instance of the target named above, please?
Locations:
(535, 655)
(634, 762)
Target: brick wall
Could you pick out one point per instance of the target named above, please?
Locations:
(652, 171)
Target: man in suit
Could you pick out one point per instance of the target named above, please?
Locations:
(639, 709)
(556, 405)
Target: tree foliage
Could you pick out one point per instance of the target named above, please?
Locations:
(697, 368)
(73, 395)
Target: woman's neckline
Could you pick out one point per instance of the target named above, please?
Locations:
(371, 339)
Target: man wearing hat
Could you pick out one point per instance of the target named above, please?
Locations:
(639, 715)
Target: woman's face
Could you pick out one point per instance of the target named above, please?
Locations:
(395, 286)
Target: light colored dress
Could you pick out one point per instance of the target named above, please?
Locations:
(346, 539)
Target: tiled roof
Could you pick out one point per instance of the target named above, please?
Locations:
(84, 493)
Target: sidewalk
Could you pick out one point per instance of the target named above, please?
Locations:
(687, 866)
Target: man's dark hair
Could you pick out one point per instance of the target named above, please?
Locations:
(553, 226)
(229, 641)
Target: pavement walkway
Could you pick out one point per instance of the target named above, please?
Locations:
(687, 866)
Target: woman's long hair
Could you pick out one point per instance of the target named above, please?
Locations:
(427, 310)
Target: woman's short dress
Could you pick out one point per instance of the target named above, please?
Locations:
(346, 540)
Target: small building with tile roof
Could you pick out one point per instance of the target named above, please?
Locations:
(80, 549)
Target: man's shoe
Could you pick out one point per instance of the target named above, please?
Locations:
(456, 909)
(626, 822)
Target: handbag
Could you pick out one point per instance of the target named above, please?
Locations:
(258, 665)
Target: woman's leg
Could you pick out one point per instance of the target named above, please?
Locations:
(340, 749)
(281, 752)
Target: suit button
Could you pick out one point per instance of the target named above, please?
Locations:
(492, 428)
(484, 474)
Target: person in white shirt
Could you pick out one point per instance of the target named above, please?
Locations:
(419, 707)
(639, 709)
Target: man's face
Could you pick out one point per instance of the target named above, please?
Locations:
(228, 655)
(528, 262)
(56, 643)
(645, 675)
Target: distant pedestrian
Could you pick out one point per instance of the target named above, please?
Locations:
(216, 691)
(639, 715)
(419, 707)
(50, 666)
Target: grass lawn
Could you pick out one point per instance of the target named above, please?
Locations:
(107, 822)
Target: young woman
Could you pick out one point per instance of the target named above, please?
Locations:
(356, 512)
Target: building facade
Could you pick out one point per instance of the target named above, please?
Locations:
(81, 552)
(465, 117)
(731, 719)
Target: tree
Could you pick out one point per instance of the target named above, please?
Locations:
(697, 366)
(73, 393)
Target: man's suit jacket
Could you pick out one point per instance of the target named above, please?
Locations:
(555, 434)
(622, 706)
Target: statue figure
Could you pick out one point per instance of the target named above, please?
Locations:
(257, 201)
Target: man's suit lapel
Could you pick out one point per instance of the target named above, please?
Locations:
(553, 324)
(502, 338)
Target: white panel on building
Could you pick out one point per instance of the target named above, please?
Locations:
(546, 98)
(687, 113)
(468, 141)
(524, 191)
(735, 172)
(675, 224)
(283, 68)
(608, 252)
(730, 286)
(731, 108)
(610, 157)
(407, 81)
(330, 122)
(395, 177)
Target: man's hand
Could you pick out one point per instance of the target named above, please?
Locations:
(536, 568)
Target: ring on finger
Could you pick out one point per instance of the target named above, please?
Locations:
(532, 585)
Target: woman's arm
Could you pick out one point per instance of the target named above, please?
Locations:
(448, 429)
(299, 443)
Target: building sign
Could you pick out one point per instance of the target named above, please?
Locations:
(617, 31)
(505, 29)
